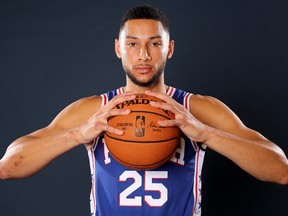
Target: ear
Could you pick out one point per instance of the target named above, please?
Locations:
(171, 49)
(117, 48)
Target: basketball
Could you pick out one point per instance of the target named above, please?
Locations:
(144, 145)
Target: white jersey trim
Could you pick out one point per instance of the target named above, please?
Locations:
(93, 177)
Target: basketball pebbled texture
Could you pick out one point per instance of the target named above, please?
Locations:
(144, 145)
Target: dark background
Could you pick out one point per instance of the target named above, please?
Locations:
(55, 52)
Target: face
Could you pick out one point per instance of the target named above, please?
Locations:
(144, 48)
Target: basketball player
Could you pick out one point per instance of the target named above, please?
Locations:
(174, 188)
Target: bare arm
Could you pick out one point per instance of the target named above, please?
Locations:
(79, 123)
(28, 154)
(213, 123)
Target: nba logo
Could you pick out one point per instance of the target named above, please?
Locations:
(140, 126)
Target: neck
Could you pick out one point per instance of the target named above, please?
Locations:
(160, 87)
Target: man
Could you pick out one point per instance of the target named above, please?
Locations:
(174, 188)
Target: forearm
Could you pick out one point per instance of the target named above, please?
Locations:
(260, 158)
(29, 154)
(211, 122)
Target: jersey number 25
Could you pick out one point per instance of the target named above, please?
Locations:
(149, 185)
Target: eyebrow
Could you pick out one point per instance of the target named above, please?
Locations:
(151, 38)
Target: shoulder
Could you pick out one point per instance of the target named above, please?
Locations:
(74, 115)
(214, 113)
(198, 101)
(86, 104)
(218, 115)
(77, 112)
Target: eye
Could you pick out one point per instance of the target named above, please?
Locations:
(156, 44)
(132, 44)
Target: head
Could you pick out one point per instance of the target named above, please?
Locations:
(145, 12)
(144, 45)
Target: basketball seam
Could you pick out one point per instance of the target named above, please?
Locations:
(135, 141)
(143, 111)
(146, 166)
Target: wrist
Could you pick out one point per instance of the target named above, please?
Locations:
(207, 135)
(75, 136)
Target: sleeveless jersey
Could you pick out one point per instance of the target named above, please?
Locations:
(172, 189)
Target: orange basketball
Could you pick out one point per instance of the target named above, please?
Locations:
(144, 144)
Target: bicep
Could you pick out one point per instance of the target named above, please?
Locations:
(71, 116)
(216, 114)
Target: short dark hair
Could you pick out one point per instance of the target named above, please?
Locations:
(145, 12)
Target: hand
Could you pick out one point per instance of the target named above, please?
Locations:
(189, 125)
(97, 124)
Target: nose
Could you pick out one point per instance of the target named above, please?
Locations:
(144, 54)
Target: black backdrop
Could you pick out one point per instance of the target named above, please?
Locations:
(55, 52)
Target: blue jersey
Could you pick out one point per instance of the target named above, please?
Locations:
(172, 189)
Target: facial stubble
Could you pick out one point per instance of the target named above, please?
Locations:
(148, 83)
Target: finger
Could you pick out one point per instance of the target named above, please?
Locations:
(169, 123)
(113, 130)
(163, 97)
(116, 112)
(120, 99)
(154, 94)
(166, 106)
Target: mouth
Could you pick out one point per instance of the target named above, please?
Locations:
(143, 69)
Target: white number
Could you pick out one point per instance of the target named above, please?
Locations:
(180, 152)
(149, 185)
(107, 159)
(124, 200)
